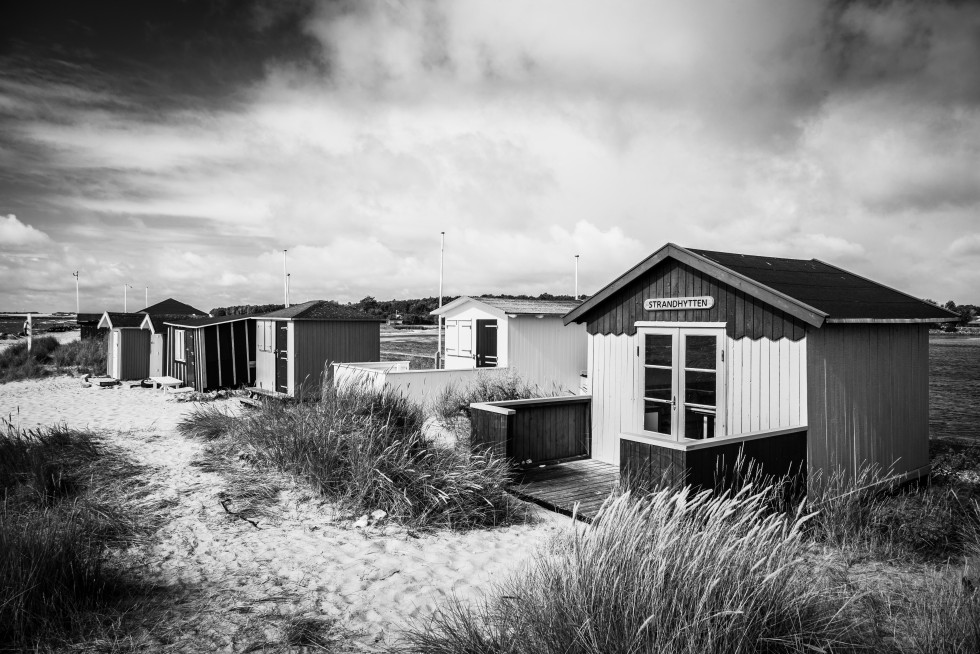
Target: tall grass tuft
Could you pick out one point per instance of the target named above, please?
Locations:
(669, 572)
(366, 449)
(488, 386)
(60, 514)
(88, 355)
(206, 422)
(17, 363)
(872, 514)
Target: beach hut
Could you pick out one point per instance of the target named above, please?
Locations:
(210, 353)
(134, 352)
(697, 356)
(88, 326)
(524, 335)
(296, 345)
(127, 347)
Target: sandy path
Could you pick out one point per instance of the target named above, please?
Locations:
(304, 561)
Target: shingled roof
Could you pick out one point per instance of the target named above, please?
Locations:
(200, 322)
(172, 307)
(321, 310)
(114, 320)
(814, 291)
(515, 306)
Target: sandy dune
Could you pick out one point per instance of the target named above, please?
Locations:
(303, 560)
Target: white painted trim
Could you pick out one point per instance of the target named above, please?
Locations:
(655, 323)
(291, 360)
(889, 321)
(690, 445)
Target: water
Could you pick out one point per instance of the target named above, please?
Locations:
(954, 387)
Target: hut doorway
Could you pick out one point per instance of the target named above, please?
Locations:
(682, 381)
(486, 343)
(282, 358)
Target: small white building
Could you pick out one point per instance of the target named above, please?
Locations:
(526, 336)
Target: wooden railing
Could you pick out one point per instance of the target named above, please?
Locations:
(534, 431)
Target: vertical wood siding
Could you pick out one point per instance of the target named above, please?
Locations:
(868, 397)
(318, 343)
(743, 314)
(766, 385)
(649, 467)
(537, 432)
(546, 353)
(134, 354)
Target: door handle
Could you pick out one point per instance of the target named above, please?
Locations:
(673, 402)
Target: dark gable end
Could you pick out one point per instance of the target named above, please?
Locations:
(756, 296)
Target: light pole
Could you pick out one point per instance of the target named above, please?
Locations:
(442, 249)
(75, 275)
(285, 281)
(126, 288)
(576, 277)
(146, 296)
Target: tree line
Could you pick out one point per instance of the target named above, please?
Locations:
(411, 311)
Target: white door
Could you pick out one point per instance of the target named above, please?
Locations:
(682, 382)
(116, 362)
(156, 355)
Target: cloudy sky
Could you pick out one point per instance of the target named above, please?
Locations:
(184, 145)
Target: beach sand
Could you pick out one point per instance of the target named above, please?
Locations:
(235, 585)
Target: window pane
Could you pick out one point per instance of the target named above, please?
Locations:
(699, 424)
(700, 387)
(656, 417)
(700, 352)
(658, 384)
(658, 350)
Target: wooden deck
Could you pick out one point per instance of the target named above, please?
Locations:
(560, 487)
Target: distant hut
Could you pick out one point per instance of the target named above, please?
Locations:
(524, 335)
(88, 326)
(209, 353)
(130, 347)
(296, 345)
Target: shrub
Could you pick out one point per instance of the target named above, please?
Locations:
(489, 386)
(88, 355)
(16, 363)
(665, 573)
(365, 448)
(59, 516)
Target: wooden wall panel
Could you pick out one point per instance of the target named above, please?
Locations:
(744, 315)
(764, 380)
(546, 353)
(868, 397)
(318, 343)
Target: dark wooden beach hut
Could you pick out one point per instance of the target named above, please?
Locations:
(296, 345)
(88, 326)
(211, 353)
(697, 357)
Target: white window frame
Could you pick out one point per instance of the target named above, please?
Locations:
(678, 331)
(179, 345)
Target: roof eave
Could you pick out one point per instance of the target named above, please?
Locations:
(889, 321)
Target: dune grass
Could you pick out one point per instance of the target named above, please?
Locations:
(667, 572)
(873, 515)
(87, 356)
(365, 449)
(66, 504)
(454, 401)
(48, 356)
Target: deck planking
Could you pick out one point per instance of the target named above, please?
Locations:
(560, 487)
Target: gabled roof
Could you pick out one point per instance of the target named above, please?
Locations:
(202, 322)
(320, 310)
(114, 320)
(810, 290)
(87, 317)
(155, 322)
(514, 306)
(171, 307)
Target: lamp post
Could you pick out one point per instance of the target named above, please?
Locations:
(126, 288)
(576, 277)
(285, 281)
(146, 296)
(75, 275)
(442, 249)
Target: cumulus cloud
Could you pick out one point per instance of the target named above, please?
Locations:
(15, 235)
(529, 133)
